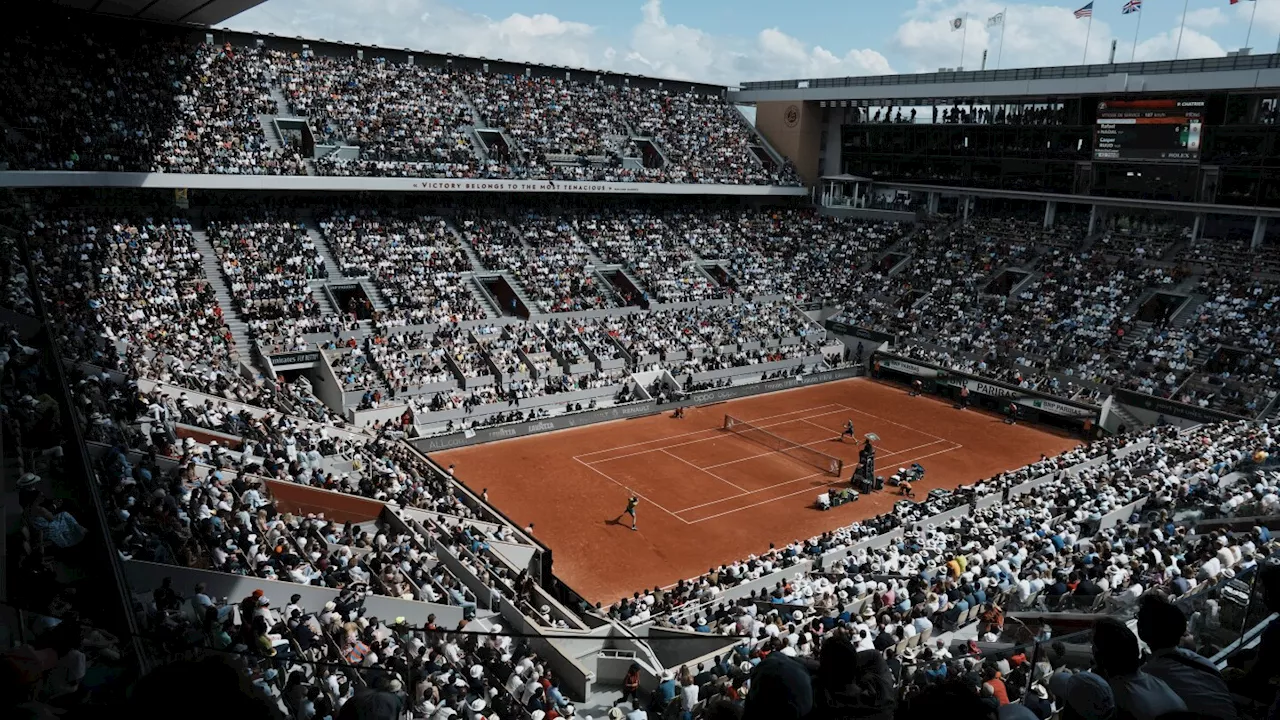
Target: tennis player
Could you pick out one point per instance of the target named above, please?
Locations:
(848, 431)
(632, 502)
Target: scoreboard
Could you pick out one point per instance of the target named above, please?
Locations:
(1149, 130)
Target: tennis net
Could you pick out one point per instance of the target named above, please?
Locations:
(808, 456)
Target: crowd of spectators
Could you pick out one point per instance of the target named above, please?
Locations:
(550, 119)
(133, 295)
(85, 100)
(649, 246)
(548, 258)
(704, 138)
(415, 262)
(1003, 298)
(78, 103)
(269, 265)
(892, 613)
(216, 127)
(399, 115)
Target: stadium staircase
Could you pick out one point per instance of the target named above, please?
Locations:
(313, 233)
(1131, 423)
(213, 273)
(474, 282)
(761, 145)
(487, 301)
(635, 282)
(375, 296)
(1139, 329)
(269, 131)
(520, 292)
(470, 250)
(1188, 311)
(477, 123)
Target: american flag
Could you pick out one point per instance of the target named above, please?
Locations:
(1084, 12)
(1132, 6)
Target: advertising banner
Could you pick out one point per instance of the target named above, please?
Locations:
(860, 332)
(296, 358)
(988, 388)
(909, 368)
(1171, 407)
(621, 412)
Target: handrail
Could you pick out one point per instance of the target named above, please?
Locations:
(78, 462)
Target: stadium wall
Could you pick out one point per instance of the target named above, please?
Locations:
(620, 412)
(309, 183)
(145, 576)
(794, 129)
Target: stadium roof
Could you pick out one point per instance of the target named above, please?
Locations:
(188, 12)
(1237, 72)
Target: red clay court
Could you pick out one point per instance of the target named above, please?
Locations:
(709, 496)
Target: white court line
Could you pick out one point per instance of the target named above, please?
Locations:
(752, 492)
(701, 469)
(892, 423)
(899, 452)
(699, 440)
(824, 427)
(782, 497)
(806, 477)
(629, 490)
(699, 432)
(775, 452)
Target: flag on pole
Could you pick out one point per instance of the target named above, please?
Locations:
(957, 24)
(1132, 6)
(1233, 2)
(994, 20)
(1085, 12)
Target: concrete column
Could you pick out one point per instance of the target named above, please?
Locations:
(932, 204)
(967, 202)
(1093, 219)
(1259, 232)
(1050, 212)
(1198, 227)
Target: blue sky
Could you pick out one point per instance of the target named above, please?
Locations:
(730, 41)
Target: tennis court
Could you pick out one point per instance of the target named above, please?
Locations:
(709, 495)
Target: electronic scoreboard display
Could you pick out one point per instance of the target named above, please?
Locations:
(1149, 130)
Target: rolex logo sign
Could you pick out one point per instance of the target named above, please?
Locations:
(792, 116)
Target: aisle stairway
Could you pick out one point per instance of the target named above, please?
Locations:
(213, 273)
(269, 130)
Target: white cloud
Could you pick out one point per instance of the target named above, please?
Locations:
(1205, 18)
(1162, 46)
(652, 47)
(1033, 35)
(1046, 35)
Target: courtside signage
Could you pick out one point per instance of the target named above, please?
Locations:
(903, 366)
(295, 358)
(73, 178)
(621, 412)
(951, 378)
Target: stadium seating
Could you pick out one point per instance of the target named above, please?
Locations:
(85, 101)
(1065, 534)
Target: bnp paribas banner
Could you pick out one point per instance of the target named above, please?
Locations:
(910, 368)
(1006, 392)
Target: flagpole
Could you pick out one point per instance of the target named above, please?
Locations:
(1182, 27)
(1004, 20)
(1134, 52)
(1087, 33)
(964, 36)
(1251, 16)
